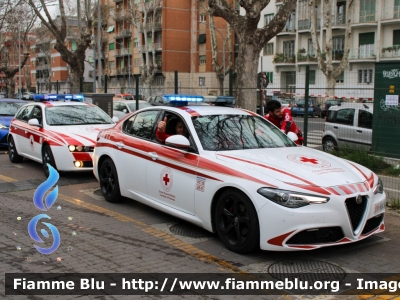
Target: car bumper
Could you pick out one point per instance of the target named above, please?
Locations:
(320, 225)
(3, 137)
(65, 160)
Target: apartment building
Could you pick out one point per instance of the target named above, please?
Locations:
(172, 36)
(375, 38)
(49, 73)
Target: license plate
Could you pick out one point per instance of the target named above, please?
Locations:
(379, 206)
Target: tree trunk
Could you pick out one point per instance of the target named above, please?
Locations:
(331, 83)
(247, 63)
(11, 87)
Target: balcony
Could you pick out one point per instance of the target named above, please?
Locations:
(122, 71)
(91, 73)
(121, 15)
(148, 27)
(123, 33)
(365, 52)
(392, 52)
(123, 52)
(281, 58)
(306, 24)
(41, 54)
(305, 58)
(289, 29)
(146, 6)
(43, 67)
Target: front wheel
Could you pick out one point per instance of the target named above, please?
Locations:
(109, 183)
(12, 151)
(236, 222)
(329, 144)
(47, 158)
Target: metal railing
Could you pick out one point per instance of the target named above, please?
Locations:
(390, 52)
(123, 51)
(365, 51)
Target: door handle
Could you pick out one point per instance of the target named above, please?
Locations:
(360, 131)
(153, 155)
(120, 145)
(335, 127)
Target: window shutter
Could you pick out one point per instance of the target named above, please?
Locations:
(202, 39)
(396, 37)
(367, 38)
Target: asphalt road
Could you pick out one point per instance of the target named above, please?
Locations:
(97, 236)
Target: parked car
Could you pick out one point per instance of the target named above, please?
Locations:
(314, 109)
(28, 96)
(4, 94)
(123, 107)
(123, 97)
(239, 176)
(348, 125)
(59, 133)
(8, 109)
(329, 103)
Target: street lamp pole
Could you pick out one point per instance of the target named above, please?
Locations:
(19, 62)
(99, 43)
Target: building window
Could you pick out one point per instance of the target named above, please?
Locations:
(288, 49)
(136, 43)
(312, 77)
(310, 49)
(52, 74)
(52, 60)
(202, 17)
(268, 18)
(396, 37)
(202, 39)
(269, 49)
(367, 10)
(340, 79)
(270, 76)
(111, 46)
(365, 76)
(202, 59)
(159, 80)
(367, 44)
(73, 46)
(202, 81)
(137, 62)
(112, 65)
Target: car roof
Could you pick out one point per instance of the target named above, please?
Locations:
(203, 110)
(59, 103)
(365, 106)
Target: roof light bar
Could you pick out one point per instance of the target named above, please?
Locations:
(181, 99)
(58, 97)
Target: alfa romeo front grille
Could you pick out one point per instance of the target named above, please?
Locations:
(372, 224)
(356, 207)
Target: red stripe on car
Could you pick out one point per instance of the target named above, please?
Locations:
(82, 156)
(190, 111)
(70, 140)
(84, 137)
(360, 187)
(278, 240)
(345, 189)
(312, 188)
(333, 191)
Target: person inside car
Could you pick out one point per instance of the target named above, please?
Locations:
(166, 128)
(282, 118)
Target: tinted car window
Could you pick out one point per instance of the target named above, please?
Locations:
(236, 132)
(141, 124)
(345, 116)
(24, 113)
(331, 116)
(364, 119)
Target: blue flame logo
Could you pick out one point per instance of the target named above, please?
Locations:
(44, 206)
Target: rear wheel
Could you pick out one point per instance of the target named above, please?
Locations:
(329, 144)
(12, 151)
(47, 158)
(109, 183)
(236, 222)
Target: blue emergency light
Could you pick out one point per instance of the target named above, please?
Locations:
(58, 97)
(181, 99)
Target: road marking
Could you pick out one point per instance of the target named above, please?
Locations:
(7, 179)
(185, 247)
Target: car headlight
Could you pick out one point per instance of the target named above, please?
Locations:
(291, 199)
(79, 148)
(379, 187)
(2, 126)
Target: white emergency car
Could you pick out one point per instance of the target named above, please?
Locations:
(238, 175)
(59, 130)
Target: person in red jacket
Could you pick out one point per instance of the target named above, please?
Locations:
(281, 117)
(179, 127)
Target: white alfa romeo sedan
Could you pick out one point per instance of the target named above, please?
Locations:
(234, 173)
(59, 130)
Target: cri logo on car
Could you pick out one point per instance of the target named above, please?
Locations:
(166, 179)
(308, 161)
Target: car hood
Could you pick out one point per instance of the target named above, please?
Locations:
(6, 120)
(80, 135)
(298, 166)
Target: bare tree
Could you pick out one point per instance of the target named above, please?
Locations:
(251, 40)
(16, 21)
(74, 59)
(219, 68)
(325, 58)
(145, 21)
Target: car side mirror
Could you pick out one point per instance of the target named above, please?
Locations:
(292, 136)
(34, 122)
(115, 119)
(178, 141)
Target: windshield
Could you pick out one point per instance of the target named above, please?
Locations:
(10, 108)
(132, 106)
(76, 115)
(237, 132)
